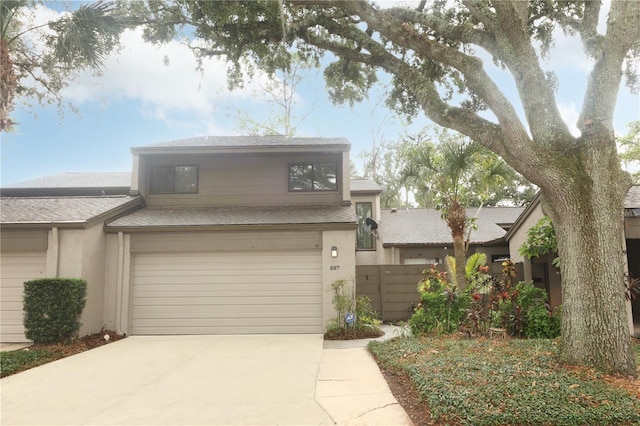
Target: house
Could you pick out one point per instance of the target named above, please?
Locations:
(47, 233)
(214, 235)
(544, 274)
(421, 237)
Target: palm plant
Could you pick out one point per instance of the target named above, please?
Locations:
(449, 176)
(36, 61)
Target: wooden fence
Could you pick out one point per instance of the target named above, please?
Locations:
(393, 289)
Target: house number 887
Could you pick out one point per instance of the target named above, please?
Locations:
(334, 267)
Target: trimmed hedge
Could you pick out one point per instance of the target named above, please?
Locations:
(52, 308)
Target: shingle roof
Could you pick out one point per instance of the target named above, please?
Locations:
(243, 142)
(632, 200)
(365, 185)
(237, 215)
(44, 210)
(426, 227)
(77, 180)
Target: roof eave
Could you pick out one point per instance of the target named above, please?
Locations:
(523, 216)
(231, 227)
(249, 149)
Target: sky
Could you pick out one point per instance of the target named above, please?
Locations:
(148, 94)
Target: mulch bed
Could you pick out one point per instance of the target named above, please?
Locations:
(353, 334)
(77, 345)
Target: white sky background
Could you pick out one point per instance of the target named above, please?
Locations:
(139, 100)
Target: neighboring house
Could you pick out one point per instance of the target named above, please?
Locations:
(420, 236)
(45, 233)
(216, 235)
(545, 275)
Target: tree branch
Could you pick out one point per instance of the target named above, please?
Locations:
(604, 82)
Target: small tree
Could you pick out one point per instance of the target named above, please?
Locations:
(450, 175)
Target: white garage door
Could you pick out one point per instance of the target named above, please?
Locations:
(227, 293)
(17, 268)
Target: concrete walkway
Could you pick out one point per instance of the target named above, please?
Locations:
(204, 380)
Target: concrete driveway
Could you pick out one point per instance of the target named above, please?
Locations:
(204, 380)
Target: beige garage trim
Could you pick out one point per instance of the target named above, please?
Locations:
(17, 267)
(240, 292)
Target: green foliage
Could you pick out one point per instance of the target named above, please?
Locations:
(42, 59)
(15, 361)
(474, 262)
(366, 316)
(345, 301)
(630, 148)
(52, 308)
(523, 310)
(442, 307)
(541, 239)
(500, 382)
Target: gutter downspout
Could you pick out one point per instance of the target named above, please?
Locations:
(119, 279)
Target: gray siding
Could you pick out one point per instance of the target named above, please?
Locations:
(23, 240)
(231, 179)
(180, 242)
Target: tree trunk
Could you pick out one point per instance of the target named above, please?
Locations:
(456, 218)
(586, 208)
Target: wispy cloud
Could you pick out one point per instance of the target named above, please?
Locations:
(162, 78)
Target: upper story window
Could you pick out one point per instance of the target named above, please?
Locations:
(174, 180)
(313, 177)
(364, 238)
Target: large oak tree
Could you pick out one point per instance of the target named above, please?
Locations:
(430, 50)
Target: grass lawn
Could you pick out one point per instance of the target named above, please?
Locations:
(502, 381)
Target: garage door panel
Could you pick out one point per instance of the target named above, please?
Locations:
(169, 280)
(243, 302)
(234, 312)
(15, 269)
(224, 290)
(231, 328)
(220, 293)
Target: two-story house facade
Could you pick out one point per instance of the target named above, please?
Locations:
(215, 235)
(238, 235)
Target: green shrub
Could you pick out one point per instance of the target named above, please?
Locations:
(542, 324)
(366, 316)
(523, 310)
(366, 319)
(442, 306)
(52, 308)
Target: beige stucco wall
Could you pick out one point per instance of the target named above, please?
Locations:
(342, 267)
(520, 235)
(81, 254)
(111, 274)
(93, 265)
(117, 296)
